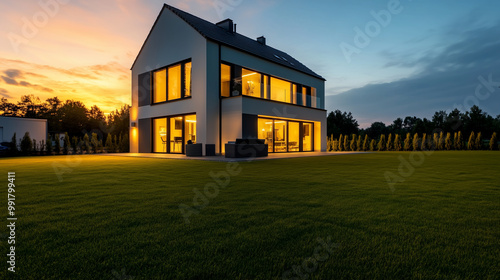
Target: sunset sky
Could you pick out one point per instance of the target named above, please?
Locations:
(426, 56)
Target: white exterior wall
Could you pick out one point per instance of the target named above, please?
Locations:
(172, 40)
(269, 108)
(10, 125)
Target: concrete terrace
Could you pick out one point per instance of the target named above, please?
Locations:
(223, 159)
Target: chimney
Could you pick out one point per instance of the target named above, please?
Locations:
(227, 25)
(262, 40)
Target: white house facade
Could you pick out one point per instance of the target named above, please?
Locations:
(205, 83)
(37, 128)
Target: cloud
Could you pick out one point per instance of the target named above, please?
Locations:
(8, 80)
(13, 73)
(449, 79)
(4, 93)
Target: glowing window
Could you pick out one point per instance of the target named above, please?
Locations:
(280, 90)
(265, 127)
(187, 79)
(251, 83)
(160, 86)
(160, 135)
(174, 82)
(293, 136)
(225, 80)
(190, 128)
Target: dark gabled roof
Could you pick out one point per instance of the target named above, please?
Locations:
(240, 42)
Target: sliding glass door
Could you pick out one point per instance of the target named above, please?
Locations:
(171, 134)
(283, 136)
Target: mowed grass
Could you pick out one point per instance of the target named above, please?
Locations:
(117, 218)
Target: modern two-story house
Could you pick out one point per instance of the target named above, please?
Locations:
(204, 82)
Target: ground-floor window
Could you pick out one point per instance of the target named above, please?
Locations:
(171, 134)
(286, 136)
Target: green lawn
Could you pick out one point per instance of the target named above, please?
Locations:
(326, 217)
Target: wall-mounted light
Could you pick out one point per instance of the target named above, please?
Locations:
(133, 124)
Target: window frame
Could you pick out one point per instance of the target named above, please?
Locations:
(183, 82)
(266, 91)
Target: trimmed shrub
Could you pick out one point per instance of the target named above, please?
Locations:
(381, 143)
(397, 143)
(470, 144)
(390, 143)
(493, 141)
(26, 144)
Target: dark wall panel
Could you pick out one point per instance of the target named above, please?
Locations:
(145, 89)
(250, 126)
(145, 136)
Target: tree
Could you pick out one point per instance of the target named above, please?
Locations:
(86, 143)
(493, 141)
(372, 145)
(470, 144)
(49, 144)
(346, 143)
(35, 146)
(423, 145)
(94, 142)
(26, 144)
(13, 145)
(397, 143)
(435, 141)
(415, 143)
(478, 142)
(73, 115)
(118, 121)
(455, 140)
(448, 144)
(353, 143)
(366, 143)
(390, 143)
(341, 143)
(57, 147)
(67, 144)
(124, 143)
(42, 147)
(377, 129)
(341, 123)
(109, 143)
(441, 141)
(359, 145)
(460, 141)
(8, 109)
(97, 120)
(381, 143)
(407, 145)
(74, 145)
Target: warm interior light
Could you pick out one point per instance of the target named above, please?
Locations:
(249, 74)
(191, 121)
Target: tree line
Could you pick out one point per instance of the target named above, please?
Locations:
(72, 127)
(436, 142)
(473, 123)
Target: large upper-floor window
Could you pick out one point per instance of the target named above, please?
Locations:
(172, 82)
(236, 80)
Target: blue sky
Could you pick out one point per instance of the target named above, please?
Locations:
(417, 58)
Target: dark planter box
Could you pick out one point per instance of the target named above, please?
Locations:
(194, 150)
(246, 148)
(210, 150)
